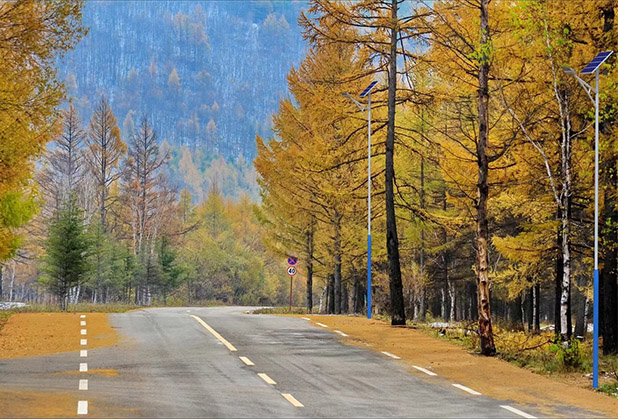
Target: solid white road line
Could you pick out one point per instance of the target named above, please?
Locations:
(246, 360)
(83, 342)
(82, 323)
(424, 370)
(469, 390)
(266, 378)
(391, 355)
(83, 332)
(83, 316)
(83, 353)
(321, 324)
(82, 407)
(292, 400)
(215, 334)
(83, 384)
(518, 412)
(305, 318)
(83, 367)
(341, 333)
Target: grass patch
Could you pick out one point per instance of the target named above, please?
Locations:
(76, 308)
(540, 353)
(285, 310)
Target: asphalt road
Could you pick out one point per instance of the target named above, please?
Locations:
(169, 364)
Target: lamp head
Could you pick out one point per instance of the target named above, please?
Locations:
(568, 70)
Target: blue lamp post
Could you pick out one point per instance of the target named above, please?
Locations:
(367, 111)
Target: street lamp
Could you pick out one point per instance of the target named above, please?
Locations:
(367, 111)
(594, 67)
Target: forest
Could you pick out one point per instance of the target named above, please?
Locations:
(482, 168)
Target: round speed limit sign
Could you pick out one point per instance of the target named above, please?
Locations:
(291, 271)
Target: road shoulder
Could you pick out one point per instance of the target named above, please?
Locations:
(33, 334)
(490, 376)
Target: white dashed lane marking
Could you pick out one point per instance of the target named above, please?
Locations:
(292, 400)
(83, 332)
(83, 384)
(83, 316)
(467, 389)
(518, 412)
(391, 355)
(340, 333)
(82, 407)
(425, 370)
(83, 353)
(83, 367)
(321, 324)
(83, 342)
(305, 318)
(266, 378)
(82, 323)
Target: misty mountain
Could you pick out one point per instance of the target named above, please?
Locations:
(208, 74)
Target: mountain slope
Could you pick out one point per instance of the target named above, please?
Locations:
(208, 74)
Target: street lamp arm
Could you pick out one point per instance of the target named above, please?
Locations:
(356, 102)
(587, 88)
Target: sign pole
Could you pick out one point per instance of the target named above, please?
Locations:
(369, 207)
(292, 260)
(596, 297)
(291, 277)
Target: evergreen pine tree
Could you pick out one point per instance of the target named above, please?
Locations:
(67, 246)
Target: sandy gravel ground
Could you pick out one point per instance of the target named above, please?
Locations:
(31, 334)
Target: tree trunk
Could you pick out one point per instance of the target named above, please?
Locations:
(331, 295)
(359, 296)
(323, 296)
(398, 315)
(12, 283)
(443, 302)
(608, 286)
(530, 309)
(580, 318)
(558, 278)
(422, 308)
(337, 255)
(536, 308)
(484, 311)
(452, 298)
(309, 264)
(565, 289)
(345, 306)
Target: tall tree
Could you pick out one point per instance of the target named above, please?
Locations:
(33, 34)
(64, 173)
(105, 149)
(385, 34)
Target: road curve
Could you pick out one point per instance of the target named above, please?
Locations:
(220, 362)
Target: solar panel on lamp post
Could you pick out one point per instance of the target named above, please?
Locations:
(367, 112)
(594, 67)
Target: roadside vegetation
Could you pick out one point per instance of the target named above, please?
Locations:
(483, 155)
(540, 352)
